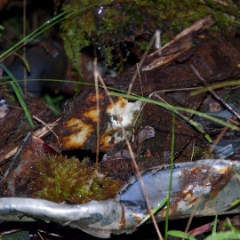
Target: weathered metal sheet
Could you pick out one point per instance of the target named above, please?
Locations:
(210, 186)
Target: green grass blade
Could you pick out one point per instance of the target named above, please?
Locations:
(35, 33)
(19, 94)
(216, 86)
(180, 234)
(56, 19)
(13, 80)
(173, 108)
(171, 172)
(23, 105)
(214, 229)
(223, 236)
(154, 211)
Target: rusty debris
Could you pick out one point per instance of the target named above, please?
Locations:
(207, 185)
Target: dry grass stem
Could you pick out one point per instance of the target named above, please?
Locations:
(96, 72)
(140, 63)
(49, 127)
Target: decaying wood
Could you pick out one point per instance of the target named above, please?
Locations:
(179, 45)
(216, 58)
(10, 150)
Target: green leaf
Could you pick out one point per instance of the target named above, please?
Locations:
(214, 229)
(180, 234)
(19, 94)
(223, 235)
(154, 211)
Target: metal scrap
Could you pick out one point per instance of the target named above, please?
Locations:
(209, 185)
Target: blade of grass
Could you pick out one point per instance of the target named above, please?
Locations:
(214, 229)
(51, 22)
(171, 172)
(173, 108)
(180, 234)
(13, 80)
(24, 61)
(23, 105)
(216, 86)
(229, 225)
(223, 236)
(35, 33)
(19, 95)
(154, 211)
(190, 121)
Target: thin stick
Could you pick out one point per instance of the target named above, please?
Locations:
(14, 159)
(192, 215)
(50, 129)
(140, 63)
(230, 109)
(193, 149)
(134, 162)
(219, 137)
(98, 110)
(39, 234)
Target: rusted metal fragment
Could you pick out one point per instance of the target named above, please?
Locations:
(207, 185)
(78, 128)
(216, 59)
(98, 218)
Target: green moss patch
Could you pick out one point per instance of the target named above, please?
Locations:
(58, 178)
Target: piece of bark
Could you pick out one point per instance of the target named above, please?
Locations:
(175, 48)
